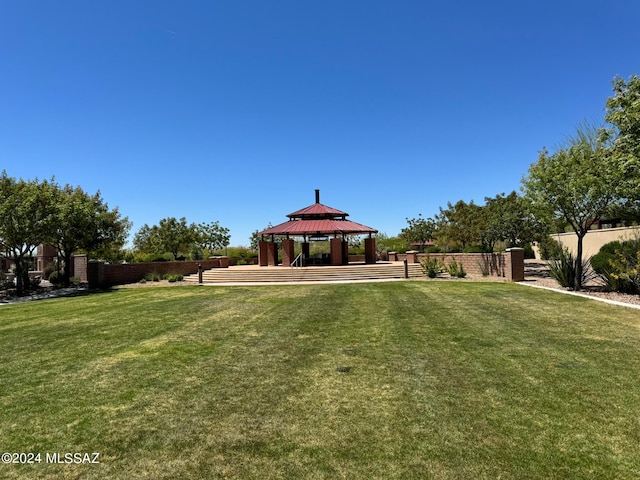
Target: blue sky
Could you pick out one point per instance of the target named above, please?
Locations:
(237, 111)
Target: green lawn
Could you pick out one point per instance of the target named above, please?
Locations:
(384, 380)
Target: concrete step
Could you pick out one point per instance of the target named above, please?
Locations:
(254, 274)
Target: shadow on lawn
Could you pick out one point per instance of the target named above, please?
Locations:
(53, 293)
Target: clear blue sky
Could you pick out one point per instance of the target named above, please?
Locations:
(236, 111)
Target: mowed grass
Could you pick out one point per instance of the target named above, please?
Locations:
(384, 380)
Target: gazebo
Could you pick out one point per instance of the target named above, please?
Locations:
(315, 222)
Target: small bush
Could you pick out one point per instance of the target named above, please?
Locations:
(75, 281)
(48, 270)
(550, 249)
(618, 264)
(456, 269)
(153, 277)
(528, 252)
(431, 267)
(56, 278)
(174, 277)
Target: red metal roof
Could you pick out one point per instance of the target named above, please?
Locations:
(318, 227)
(318, 210)
(318, 219)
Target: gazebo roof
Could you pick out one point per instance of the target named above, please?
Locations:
(318, 219)
(318, 210)
(318, 227)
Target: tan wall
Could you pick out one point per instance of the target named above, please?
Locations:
(594, 240)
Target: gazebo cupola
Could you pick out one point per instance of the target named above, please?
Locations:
(317, 221)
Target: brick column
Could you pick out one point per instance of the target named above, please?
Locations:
(515, 264)
(262, 253)
(412, 256)
(336, 251)
(267, 253)
(369, 250)
(288, 254)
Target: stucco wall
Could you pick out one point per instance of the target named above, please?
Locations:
(594, 240)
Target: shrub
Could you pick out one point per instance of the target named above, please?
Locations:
(626, 272)
(550, 248)
(456, 269)
(528, 252)
(564, 269)
(174, 277)
(48, 270)
(153, 277)
(431, 267)
(55, 278)
(617, 264)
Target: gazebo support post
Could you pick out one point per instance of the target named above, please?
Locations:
(345, 251)
(336, 250)
(288, 254)
(306, 250)
(267, 253)
(370, 250)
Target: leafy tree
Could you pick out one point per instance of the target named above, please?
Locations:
(170, 235)
(576, 183)
(255, 238)
(211, 236)
(508, 218)
(461, 224)
(84, 222)
(26, 214)
(420, 230)
(623, 113)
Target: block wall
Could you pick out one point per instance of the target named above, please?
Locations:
(508, 264)
(101, 275)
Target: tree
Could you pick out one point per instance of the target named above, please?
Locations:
(420, 230)
(577, 183)
(254, 239)
(211, 236)
(623, 113)
(26, 215)
(508, 218)
(84, 222)
(170, 235)
(461, 223)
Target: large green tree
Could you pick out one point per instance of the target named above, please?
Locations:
(508, 218)
(26, 215)
(170, 235)
(84, 222)
(577, 183)
(623, 114)
(460, 224)
(212, 236)
(419, 231)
